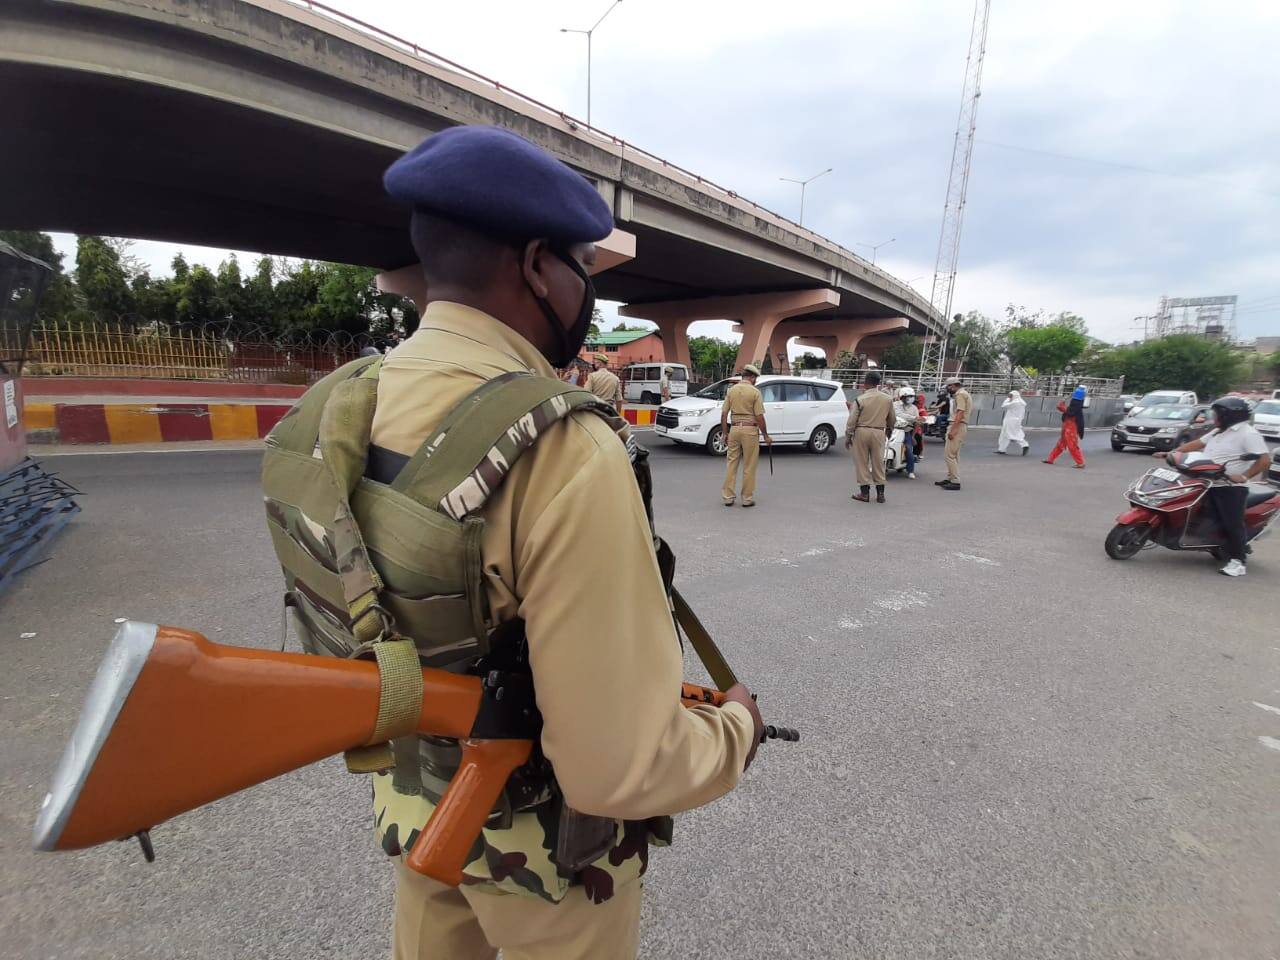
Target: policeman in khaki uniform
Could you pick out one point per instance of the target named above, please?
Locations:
(742, 422)
(604, 383)
(871, 420)
(961, 409)
(505, 234)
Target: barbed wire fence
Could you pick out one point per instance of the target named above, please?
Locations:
(134, 347)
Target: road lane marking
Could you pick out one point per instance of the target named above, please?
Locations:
(1263, 706)
(903, 599)
(974, 558)
(1271, 742)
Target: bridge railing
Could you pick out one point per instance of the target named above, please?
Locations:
(1048, 386)
(576, 124)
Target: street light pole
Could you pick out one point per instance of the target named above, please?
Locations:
(587, 34)
(803, 184)
(875, 246)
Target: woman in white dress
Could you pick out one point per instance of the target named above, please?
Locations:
(1015, 409)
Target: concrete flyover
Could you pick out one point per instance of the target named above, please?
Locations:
(265, 125)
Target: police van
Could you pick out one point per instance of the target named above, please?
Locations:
(642, 382)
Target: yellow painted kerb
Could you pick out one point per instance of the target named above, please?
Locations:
(233, 421)
(132, 423)
(38, 416)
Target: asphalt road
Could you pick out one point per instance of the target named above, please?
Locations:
(1013, 746)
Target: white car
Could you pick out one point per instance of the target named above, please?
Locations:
(1266, 419)
(797, 410)
(1177, 398)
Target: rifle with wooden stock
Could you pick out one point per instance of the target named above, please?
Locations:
(174, 721)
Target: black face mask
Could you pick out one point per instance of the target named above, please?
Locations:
(570, 341)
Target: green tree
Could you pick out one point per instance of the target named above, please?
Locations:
(904, 354)
(103, 281)
(712, 358)
(229, 295)
(257, 304)
(1047, 349)
(1181, 362)
(623, 327)
(976, 342)
(197, 301)
(1273, 364)
(809, 361)
(60, 296)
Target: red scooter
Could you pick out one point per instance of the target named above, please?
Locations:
(1168, 509)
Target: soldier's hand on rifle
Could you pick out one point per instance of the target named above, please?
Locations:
(739, 693)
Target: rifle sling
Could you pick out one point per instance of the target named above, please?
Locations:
(721, 673)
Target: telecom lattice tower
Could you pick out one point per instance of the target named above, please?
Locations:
(944, 274)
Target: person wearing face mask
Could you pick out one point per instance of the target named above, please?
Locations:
(505, 234)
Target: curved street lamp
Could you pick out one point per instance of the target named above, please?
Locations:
(587, 34)
(803, 184)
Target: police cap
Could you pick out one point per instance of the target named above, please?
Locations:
(501, 184)
(751, 369)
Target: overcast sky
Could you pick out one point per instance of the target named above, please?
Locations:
(1127, 150)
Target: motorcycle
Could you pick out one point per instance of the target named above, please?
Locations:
(1168, 509)
(895, 454)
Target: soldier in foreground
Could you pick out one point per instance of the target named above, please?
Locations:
(871, 420)
(604, 383)
(505, 234)
(742, 423)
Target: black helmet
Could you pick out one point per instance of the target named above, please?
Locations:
(1230, 411)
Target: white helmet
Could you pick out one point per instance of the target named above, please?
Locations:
(906, 393)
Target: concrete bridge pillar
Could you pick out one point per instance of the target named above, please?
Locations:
(778, 349)
(836, 336)
(675, 340)
(757, 315)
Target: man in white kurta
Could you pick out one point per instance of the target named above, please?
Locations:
(1015, 410)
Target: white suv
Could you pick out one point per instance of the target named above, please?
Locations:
(796, 409)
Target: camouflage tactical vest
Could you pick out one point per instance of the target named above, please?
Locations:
(362, 554)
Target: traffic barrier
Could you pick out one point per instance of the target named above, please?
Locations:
(149, 422)
(639, 416)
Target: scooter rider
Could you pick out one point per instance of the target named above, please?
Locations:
(906, 410)
(1233, 440)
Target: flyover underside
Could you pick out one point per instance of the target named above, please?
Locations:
(221, 141)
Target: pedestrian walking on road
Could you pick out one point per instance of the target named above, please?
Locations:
(961, 404)
(742, 421)
(604, 383)
(1072, 429)
(871, 420)
(1015, 409)
(664, 387)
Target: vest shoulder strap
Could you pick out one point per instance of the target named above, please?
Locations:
(468, 456)
(299, 429)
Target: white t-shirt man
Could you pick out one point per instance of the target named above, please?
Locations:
(1229, 446)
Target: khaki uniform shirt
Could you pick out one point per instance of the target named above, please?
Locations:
(961, 403)
(742, 400)
(872, 408)
(606, 386)
(567, 547)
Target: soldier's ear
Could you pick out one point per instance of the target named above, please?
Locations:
(533, 264)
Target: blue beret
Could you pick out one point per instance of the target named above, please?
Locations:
(500, 183)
